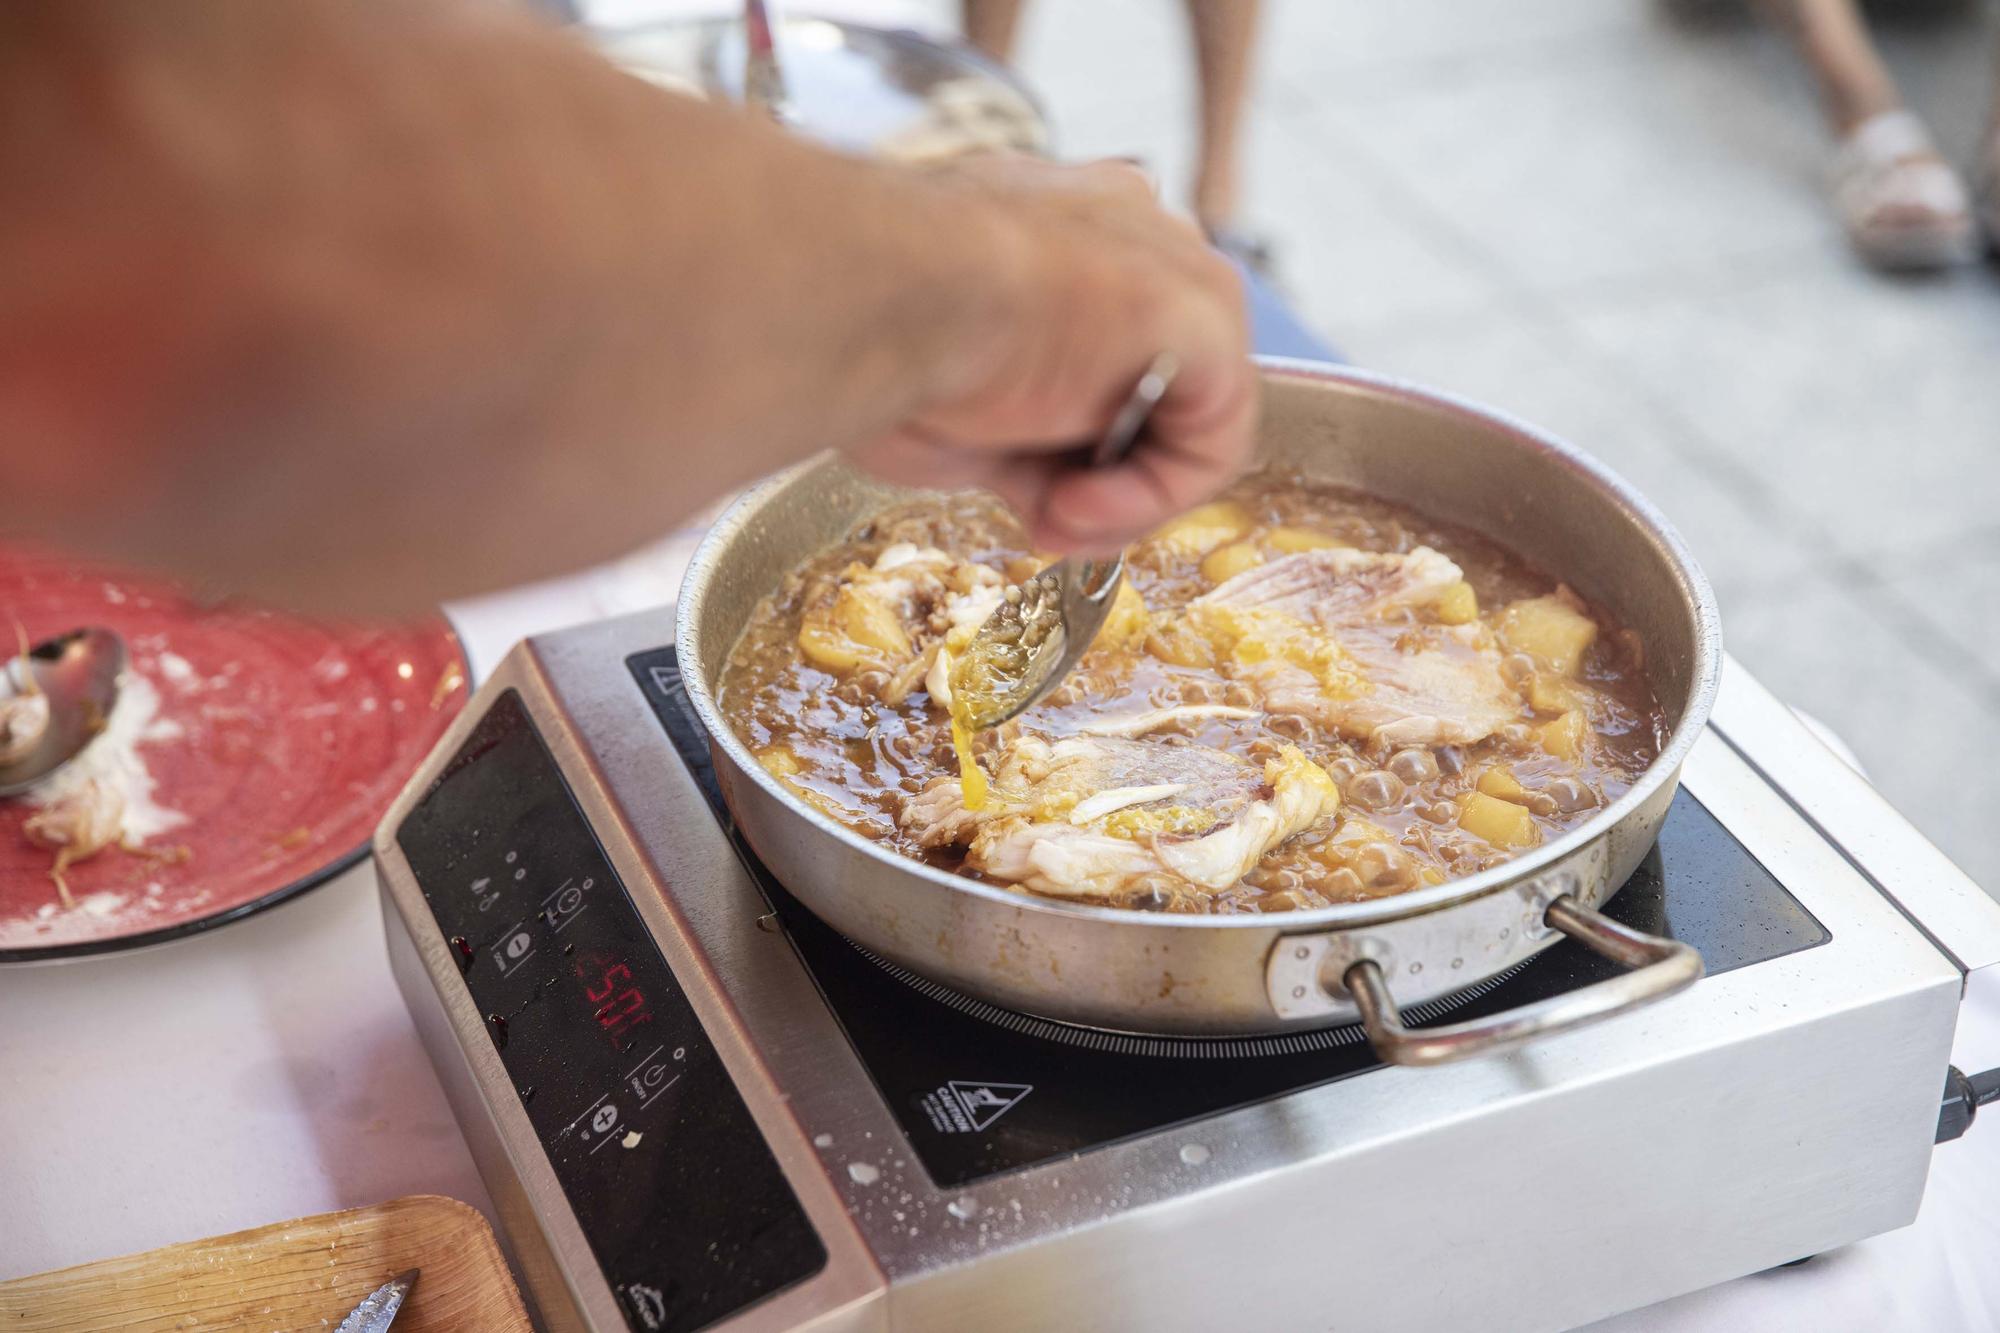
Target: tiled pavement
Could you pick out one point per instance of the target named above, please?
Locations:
(1605, 216)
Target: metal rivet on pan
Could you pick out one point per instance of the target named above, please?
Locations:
(1303, 952)
(1458, 962)
(1416, 968)
(1505, 931)
(1298, 992)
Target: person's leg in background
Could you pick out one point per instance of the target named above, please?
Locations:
(1224, 35)
(1989, 164)
(990, 25)
(1901, 203)
(1225, 39)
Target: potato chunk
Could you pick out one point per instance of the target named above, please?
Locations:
(854, 630)
(1171, 639)
(1203, 528)
(1567, 736)
(1226, 562)
(829, 649)
(871, 623)
(1126, 621)
(1500, 783)
(1458, 605)
(779, 761)
(784, 765)
(1549, 630)
(1552, 694)
(1499, 822)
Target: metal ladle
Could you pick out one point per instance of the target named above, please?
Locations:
(1036, 638)
(78, 674)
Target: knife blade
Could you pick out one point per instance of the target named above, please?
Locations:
(378, 1308)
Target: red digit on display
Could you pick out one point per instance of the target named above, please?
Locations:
(622, 1008)
(612, 976)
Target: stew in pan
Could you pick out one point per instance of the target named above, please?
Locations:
(1304, 696)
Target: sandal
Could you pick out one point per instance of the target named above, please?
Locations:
(1246, 248)
(1902, 204)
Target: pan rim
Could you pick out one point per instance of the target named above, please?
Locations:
(1661, 773)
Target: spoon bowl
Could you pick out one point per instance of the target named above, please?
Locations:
(1045, 626)
(78, 673)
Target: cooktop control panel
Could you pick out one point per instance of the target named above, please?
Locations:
(680, 1197)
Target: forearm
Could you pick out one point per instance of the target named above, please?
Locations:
(366, 305)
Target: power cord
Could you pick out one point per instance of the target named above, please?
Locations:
(1964, 1094)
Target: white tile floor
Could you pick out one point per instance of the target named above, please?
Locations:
(1607, 219)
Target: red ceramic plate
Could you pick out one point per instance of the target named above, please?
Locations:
(276, 746)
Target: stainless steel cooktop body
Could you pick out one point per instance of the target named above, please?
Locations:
(1774, 1111)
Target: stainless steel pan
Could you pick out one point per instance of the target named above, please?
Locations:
(1147, 972)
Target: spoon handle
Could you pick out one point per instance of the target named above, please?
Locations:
(763, 76)
(1131, 419)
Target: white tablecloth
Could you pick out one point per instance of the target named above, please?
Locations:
(269, 1071)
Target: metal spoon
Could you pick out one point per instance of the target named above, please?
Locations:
(1032, 641)
(78, 674)
(763, 77)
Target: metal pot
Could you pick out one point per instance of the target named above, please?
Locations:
(1171, 974)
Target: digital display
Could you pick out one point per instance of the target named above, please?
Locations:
(618, 1006)
(684, 1206)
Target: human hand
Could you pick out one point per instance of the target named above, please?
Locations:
(1088, 279)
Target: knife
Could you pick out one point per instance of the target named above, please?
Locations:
(378, 1309)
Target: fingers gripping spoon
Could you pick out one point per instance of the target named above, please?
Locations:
(1046, 624)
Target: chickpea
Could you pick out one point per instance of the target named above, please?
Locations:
(1343, 885)
(1570, 795)
(1291, 727)
(1382, 866)
(1263, 749)
(1345, 770)
(1414, 767)
(1377, 790)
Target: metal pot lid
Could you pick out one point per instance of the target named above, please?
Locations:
(875, 91)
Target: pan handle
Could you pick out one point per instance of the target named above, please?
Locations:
(1662, 966)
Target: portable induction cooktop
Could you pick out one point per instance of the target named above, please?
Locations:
(696, 1106)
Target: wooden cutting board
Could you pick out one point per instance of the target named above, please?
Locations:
(306, 1274)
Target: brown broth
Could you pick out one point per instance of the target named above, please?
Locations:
(859, 757)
